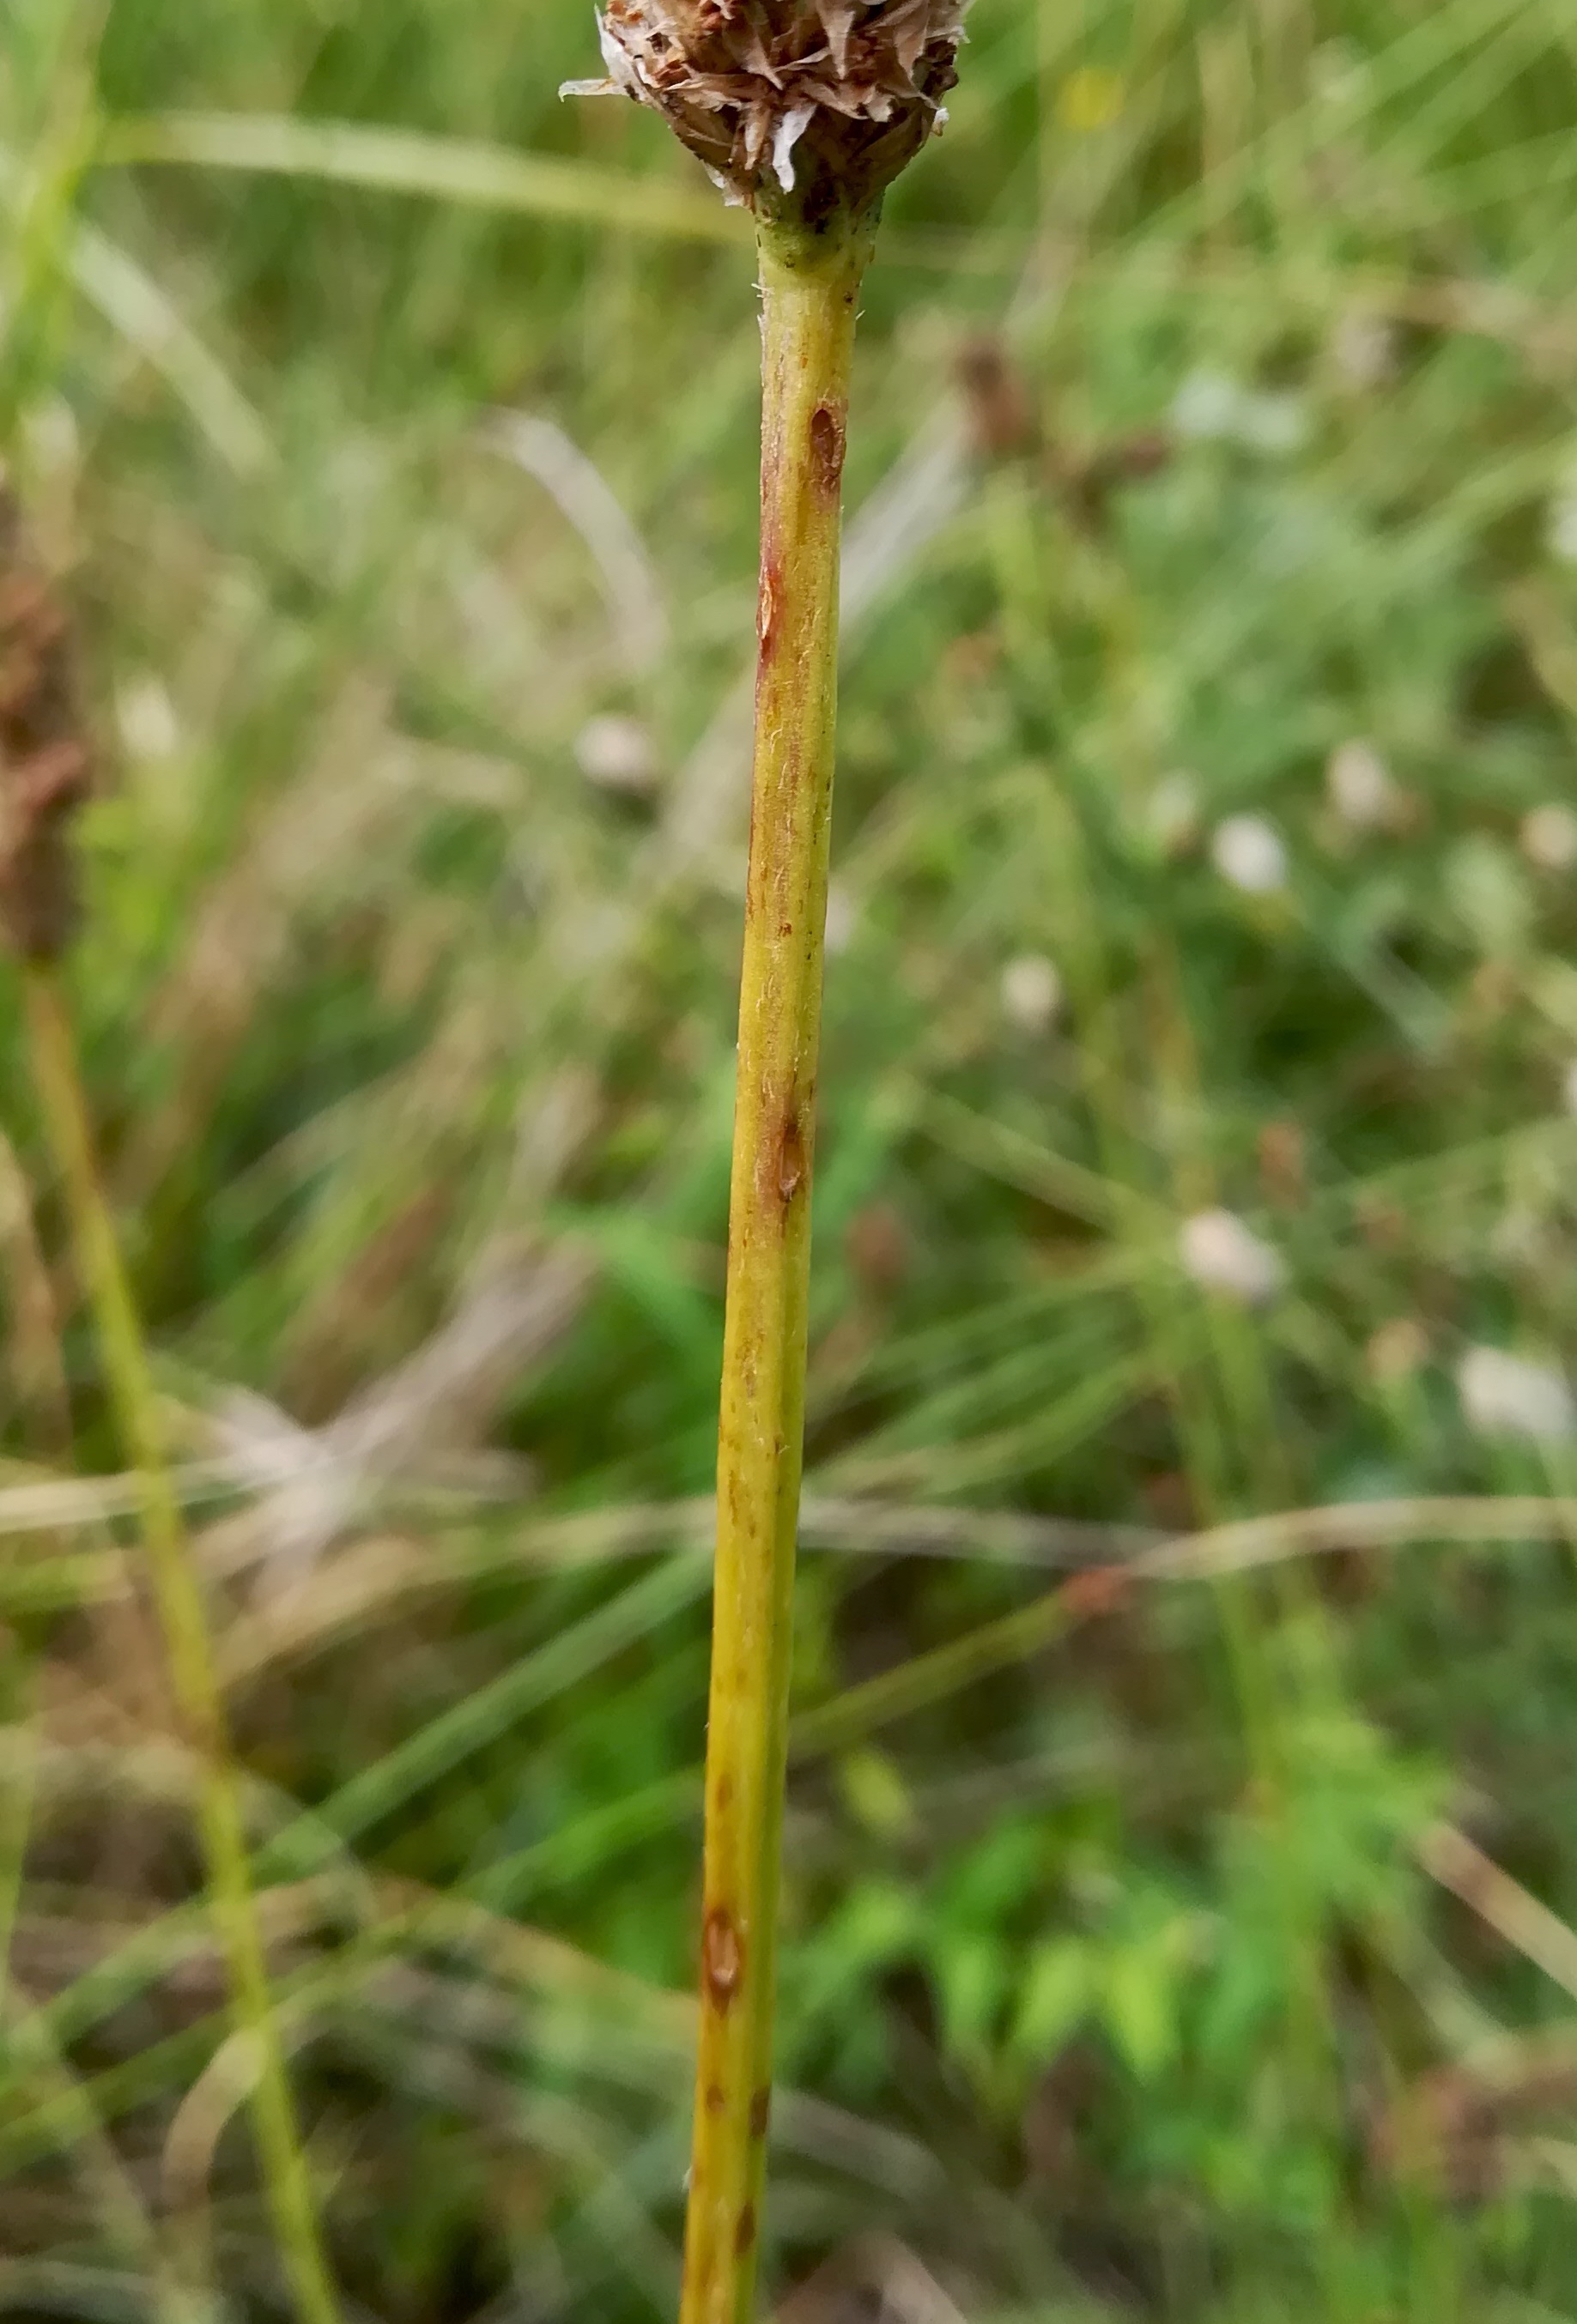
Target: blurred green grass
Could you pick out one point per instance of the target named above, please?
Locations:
(1214, 413)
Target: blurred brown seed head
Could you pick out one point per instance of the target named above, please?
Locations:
(797, 107)
(1397, 1350)
(44, 759)
(877, 1249)
(1383, 1226)
(1282, 1165)
(998, 404)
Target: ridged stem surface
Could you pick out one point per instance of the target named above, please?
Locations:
(178, 1596)
(810, 288)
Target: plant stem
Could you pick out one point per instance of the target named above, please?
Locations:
(809, 282)
(178, 1595)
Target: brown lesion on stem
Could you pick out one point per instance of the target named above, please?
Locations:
(745, 2232)
(783, 1166)
(722, 1955)
(760, 2112)
(829, 434)
(792, 1157)
(766, 605)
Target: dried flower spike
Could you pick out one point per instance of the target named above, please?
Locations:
(795, 107)
(44, 757)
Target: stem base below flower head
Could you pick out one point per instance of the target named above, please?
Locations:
(810, 274)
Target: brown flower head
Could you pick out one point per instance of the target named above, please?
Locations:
(794, 107)
(44, 761)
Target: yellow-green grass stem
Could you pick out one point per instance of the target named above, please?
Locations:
(179, 1599)
(810, 286)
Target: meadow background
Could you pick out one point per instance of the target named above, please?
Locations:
(1181, 1843)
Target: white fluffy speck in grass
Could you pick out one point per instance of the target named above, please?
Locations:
(1224, 1254)
(1032, 993)
(146, 717)
(1360, 786)
(617, 754)
(1250, 854)
(1212, 408)
(1548, 837)
(1206, 407)
(1504, 1395)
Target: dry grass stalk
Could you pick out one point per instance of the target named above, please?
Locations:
(45, 764)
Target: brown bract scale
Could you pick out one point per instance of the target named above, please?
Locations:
(796, 107)
(45, 764)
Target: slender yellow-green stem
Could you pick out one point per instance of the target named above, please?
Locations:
(809, 282)
(179, 1599)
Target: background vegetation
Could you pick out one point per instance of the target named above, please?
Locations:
(1185, 1940)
